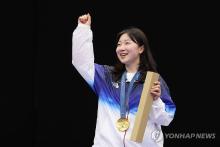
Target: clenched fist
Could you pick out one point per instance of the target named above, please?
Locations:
(85, 19)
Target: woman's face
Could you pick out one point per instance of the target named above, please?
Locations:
(128, 52)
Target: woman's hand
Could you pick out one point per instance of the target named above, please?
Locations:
(156, 90)
(85, 19)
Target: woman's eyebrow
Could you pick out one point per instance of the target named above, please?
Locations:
(124, 40)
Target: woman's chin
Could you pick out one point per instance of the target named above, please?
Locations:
(123, 61)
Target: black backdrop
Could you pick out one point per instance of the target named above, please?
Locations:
(45, 102)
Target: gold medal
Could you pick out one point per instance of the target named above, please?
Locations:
(122, 124)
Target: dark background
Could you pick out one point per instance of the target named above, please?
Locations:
(45, 102)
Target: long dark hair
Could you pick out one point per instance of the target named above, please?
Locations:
(147, 62)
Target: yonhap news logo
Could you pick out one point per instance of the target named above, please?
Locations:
(157, 135)
(190, 135)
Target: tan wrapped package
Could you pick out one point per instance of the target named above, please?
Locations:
(144, 108)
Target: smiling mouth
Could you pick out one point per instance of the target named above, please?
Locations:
(123, 55)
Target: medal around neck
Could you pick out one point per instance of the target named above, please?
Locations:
(122, 124)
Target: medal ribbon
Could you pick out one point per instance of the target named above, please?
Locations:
(124, 97)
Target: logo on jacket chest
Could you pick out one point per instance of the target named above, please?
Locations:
(115, 84)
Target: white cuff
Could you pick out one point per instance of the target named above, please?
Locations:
(84, 25)
(158, 102)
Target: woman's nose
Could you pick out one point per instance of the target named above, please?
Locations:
(121, 47)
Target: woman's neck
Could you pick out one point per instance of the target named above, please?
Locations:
(132, 68)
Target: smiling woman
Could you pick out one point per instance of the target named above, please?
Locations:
(128, 53)
(119, 87)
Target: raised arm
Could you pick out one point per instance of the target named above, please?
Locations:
(82, 49)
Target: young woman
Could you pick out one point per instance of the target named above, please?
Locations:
(119, 88)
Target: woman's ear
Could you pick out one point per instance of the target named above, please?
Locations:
(141, 49)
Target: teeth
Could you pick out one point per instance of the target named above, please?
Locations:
(123, 54)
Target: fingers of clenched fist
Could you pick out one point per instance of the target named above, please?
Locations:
(85, 19)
